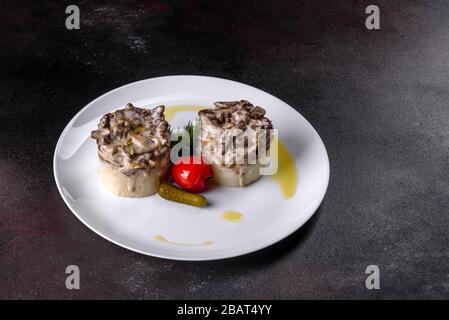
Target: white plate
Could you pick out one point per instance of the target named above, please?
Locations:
(191, 233)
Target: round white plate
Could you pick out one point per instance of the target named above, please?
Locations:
(191, 233)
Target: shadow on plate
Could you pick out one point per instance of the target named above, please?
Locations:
(281, 248)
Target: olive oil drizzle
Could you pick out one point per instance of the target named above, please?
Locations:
(287, 174)
(164, 240)
(232, 216)
(171, 111)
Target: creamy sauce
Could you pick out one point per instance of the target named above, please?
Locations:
(129, 138)
(232, 216)
(162, 239)
(287, 174)
(171, 111)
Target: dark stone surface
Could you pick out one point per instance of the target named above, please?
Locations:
(379, 99)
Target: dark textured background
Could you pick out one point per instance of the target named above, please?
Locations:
(379, 99)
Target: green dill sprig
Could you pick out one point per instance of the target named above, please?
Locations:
(188, 134)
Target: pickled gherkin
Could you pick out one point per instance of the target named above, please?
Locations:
(170, 192)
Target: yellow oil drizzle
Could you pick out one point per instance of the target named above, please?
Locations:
(162, 239)
(170, 111)
(287, 174)
(232, 216)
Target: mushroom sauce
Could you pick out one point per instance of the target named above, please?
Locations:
(133, 140)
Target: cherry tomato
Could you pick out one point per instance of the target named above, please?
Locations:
(191, 173)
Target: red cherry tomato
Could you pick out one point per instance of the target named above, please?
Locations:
(191, 173)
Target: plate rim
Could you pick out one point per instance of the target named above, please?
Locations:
(273, 240)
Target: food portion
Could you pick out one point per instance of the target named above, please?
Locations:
(222, 126)
(134, 150)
